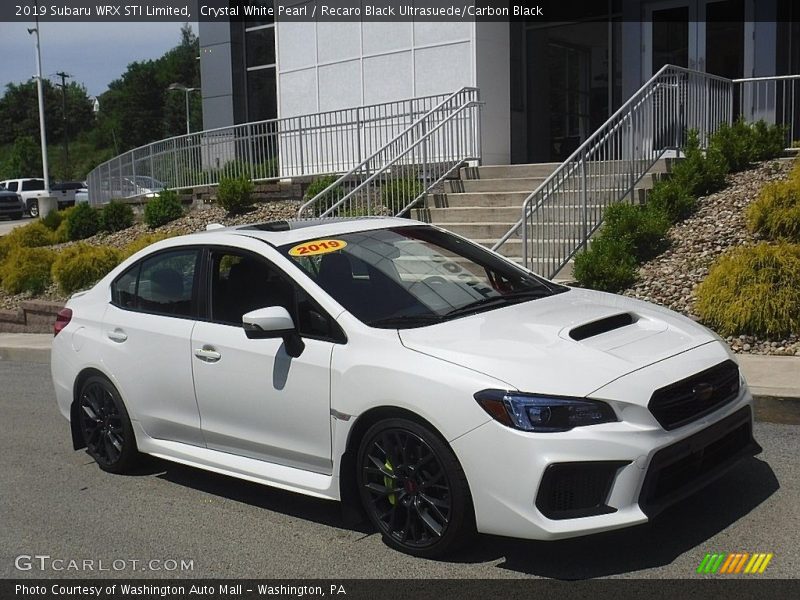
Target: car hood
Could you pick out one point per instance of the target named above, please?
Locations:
(532, 346)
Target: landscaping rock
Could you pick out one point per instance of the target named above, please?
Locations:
(671, 279)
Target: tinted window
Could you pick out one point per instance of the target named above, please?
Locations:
(241, 283)
(163, 284)
(12, 186)
(32, 185)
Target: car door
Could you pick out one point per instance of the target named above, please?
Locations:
(255, 400)
(147, 331)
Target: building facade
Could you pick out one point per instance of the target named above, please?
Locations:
(545, 86)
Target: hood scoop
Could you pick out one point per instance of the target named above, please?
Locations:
(603, 325)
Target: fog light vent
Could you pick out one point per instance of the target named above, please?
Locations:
(578, 489)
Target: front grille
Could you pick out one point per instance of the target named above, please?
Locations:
(579, 489)
(689, 399)
(681, 469)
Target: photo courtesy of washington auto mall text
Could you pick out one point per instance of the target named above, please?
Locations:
(399, 299)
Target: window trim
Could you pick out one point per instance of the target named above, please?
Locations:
(138, 265)
(339, 336)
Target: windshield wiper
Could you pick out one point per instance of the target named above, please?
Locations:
(491, 301)
(405, 321)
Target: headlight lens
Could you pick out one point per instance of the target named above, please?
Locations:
(532, 412)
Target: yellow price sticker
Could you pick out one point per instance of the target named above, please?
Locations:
(317, 247)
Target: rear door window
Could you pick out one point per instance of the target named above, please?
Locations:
(163, 284)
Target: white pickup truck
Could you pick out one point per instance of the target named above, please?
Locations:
(30, 190)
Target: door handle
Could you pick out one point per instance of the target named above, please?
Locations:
(117, 335)
(207, 354)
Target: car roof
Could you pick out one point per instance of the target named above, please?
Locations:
(279, 233)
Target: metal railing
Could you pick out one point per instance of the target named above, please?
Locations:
(560, 216)
(772, 99)
(395, 178)
(308, 145)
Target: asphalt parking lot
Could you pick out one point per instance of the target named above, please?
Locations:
(6, 225)
(56, 502)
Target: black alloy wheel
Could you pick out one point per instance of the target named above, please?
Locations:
(413, 488)
(105, 426)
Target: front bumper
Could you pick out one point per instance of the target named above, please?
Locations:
(611, 476)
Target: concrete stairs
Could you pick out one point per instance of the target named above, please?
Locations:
(486, 201)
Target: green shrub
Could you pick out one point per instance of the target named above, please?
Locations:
(644, 227)
(733, 144)
(27, 270)
(80, 266)
(53, 219)
(775, 214)
(740, 144)
(235, 195)
(61, 234)
(330, 198)
(766, 141)
(32, 235)
(399, 192)
(163, 209)
(116, 216)
(609, 265)
(700, 173)
(83, 222)
(672, 198)
(753, 290)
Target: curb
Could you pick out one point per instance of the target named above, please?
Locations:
(32, 355)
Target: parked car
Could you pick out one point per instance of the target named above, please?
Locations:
(389, 362)
(82, 194)
(30, 189)
(65, 192)
(10, 204)
(130, 187)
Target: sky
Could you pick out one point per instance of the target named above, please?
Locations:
(94, 53)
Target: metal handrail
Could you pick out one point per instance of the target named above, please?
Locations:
(300, 146)
(558, 218)
(444, 143)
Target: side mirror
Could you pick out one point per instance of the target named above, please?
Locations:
(273, 322)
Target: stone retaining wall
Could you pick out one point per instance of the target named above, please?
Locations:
(33, 316)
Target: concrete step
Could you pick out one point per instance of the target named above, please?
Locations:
(486, 230)
(516, 199)
(513, 247)
(529, 184)
(508, 171)
(663, 165)
(478, 214)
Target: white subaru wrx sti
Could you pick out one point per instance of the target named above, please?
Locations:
(391, 363)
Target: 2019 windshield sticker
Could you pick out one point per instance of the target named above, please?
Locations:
(317, 247)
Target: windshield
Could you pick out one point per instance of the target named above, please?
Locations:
(413, 276)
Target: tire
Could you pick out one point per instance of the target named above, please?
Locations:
(105, 426)
(413, 489)
(33, 208)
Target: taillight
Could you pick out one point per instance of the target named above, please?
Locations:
(62, 320)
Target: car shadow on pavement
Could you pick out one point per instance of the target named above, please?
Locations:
(677, 530)
(317, 510)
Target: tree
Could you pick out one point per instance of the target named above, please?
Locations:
(139, 109)
(25, 159)
(19, 111)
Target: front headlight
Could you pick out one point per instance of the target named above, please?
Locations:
(532, 412)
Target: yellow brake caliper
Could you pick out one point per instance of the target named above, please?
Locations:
(387, 481)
